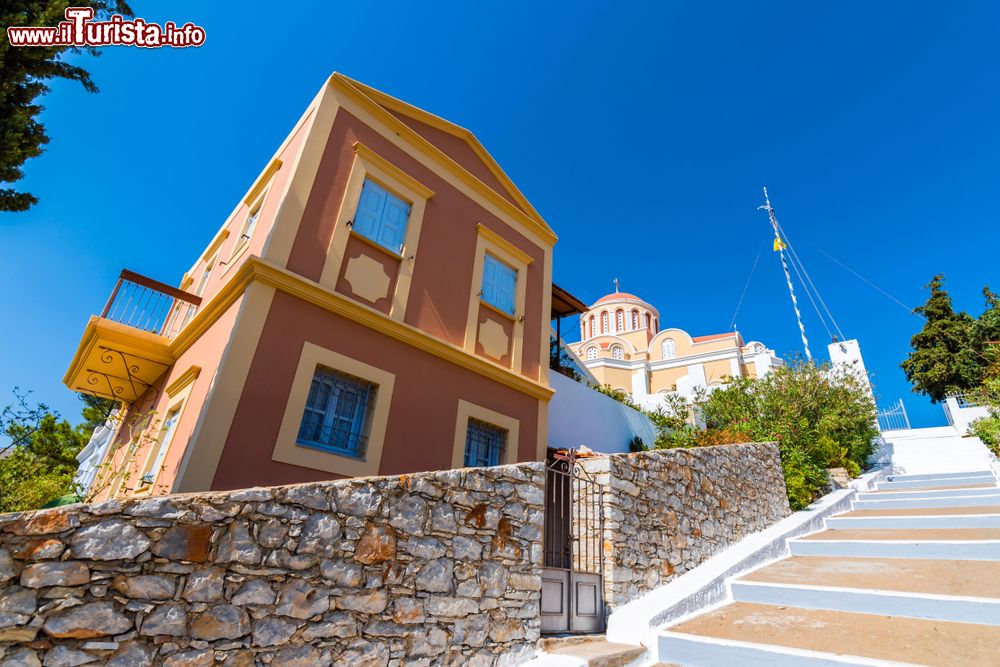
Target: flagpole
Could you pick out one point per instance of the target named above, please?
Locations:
(779, 247)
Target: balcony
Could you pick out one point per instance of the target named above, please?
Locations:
(127, 348)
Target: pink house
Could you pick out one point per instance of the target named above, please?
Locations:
(378, 302)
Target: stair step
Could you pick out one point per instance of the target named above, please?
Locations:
(939, 475)
(907, 534)
(911, 494)
(597, 652)
(907, 522)
(757, 634)
(941, 501)
(931, 483)
(871, 601)
(971, 510)
(934, 577)
(988, 550)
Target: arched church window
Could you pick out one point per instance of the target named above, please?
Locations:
(591, 353)
(620, 320)
(590, 328)
(648, 321)
(669, 348)
(635, 319)
(617, 352)
(604, 323)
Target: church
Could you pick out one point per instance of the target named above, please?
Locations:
(623, 345)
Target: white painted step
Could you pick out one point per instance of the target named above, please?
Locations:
(938, 549)
(914, 522)
(937, 476)
(871, 601)
(918, 493)
(930, 483)
(696, 651)
(940, 501)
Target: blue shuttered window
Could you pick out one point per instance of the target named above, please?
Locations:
(484, 443)
(337, 413)
(381, 217)
(499, 283)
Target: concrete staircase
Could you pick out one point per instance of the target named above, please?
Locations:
(911, 576)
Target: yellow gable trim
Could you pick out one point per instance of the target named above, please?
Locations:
(368, 154)
(531, 220)
(182, 381)
(503, 243)
(216, 243)
(261, 182)
(446, 126)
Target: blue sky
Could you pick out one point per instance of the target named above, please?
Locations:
(643, 134)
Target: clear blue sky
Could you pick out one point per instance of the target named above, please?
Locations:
(642, 133)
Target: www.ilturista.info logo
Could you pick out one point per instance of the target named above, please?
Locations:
(79, 29)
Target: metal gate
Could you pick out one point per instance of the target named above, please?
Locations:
(573, 566)
(894, 418)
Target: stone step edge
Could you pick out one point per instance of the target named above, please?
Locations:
(930, 483)
(685, 649)
(909, 494)
(926, 503)
(935, 476)
(988, 550)
(916, 521)
(881, 602)
(545, 659)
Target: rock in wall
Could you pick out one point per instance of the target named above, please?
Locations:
(436, 568)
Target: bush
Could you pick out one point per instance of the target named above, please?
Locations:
(820, 417)
(987, 429)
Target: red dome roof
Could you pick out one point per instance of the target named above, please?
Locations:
(618, 296)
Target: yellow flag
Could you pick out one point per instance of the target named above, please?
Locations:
(778, 244)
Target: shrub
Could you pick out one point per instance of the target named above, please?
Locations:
(820, 417)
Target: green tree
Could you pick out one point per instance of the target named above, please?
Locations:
(943, 359)
(24, 72)
(820, 417)
(38, 462)
(986, 334)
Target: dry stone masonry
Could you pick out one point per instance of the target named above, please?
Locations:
(668, 511)
(438, 567)
(433, 568)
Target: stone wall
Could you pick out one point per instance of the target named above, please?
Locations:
(437, 567)
(667, 511)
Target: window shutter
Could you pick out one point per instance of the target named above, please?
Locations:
(368, 217)
(394, 217)
(381, 216)
(499, 284)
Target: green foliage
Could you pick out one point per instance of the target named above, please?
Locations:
(950, 353)
(38, 463)
(23, 73)
(674, 423)
(821, 418)
(987, 428)
(619, 395)
(637, 445)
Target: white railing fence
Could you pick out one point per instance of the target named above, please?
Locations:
(894, 418)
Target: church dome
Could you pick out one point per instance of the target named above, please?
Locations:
(619, 313)
(623, 296)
